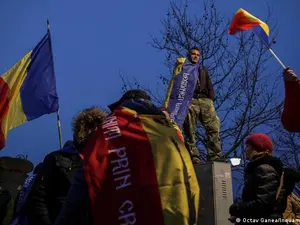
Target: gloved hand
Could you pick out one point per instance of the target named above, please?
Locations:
(233, 209)
(232, 219)
(289, 75)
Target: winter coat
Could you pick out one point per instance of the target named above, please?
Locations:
(6, 207)
(262, 180)
(48, 193)
(136, 169)
(204, 87)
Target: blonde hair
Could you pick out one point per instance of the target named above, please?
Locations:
(255, 154)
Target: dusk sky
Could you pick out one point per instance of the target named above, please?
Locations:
(94, 41)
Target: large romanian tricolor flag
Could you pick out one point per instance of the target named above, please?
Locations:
(243, 20)
(138, 171)
(28, 89)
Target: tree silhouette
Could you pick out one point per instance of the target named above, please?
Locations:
(248, 95)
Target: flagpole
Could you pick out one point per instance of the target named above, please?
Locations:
(57, 112)
(276, 57)
(272, 52)
(59, 129)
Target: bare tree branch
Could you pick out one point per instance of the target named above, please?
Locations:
(247, 100)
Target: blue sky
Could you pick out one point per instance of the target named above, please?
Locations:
(95, 40)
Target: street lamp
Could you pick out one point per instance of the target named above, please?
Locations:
(235, 160)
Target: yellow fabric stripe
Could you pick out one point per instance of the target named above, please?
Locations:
(252, 18)
(15, 77)
(265, 27)
(178, 185)
(295, 199)
(177, 70)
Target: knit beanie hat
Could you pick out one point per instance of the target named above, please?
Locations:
(260, 142)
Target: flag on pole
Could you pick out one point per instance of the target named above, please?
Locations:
(28, 89)
(243, 21)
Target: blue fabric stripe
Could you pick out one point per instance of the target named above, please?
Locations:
(259, 31)
(21, 218)
(182, 92)
(297, 190)
(38, 91)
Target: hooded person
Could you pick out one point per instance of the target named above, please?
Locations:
(291, 112)
(48, 193)
(136, 170)
(264, 196)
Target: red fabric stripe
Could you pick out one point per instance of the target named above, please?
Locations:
(140, 200)
(241, 22)
(180, 135)
(4, 106)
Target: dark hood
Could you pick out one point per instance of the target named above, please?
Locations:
(270, 160)
(292, 174)
(142, 106)
(291, 177)
(38, 168)
(71, 149)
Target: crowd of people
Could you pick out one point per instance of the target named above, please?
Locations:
(133, 165)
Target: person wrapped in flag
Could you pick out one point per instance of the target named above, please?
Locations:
(190, 98)
(28, 89)
(136, 170)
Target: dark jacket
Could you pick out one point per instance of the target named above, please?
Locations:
(204, 87)
(5, 198)
(49, 192)
(262, 180)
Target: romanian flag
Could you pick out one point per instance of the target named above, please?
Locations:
(243, 20)
(28, 89)
(138, 171)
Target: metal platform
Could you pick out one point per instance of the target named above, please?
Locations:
(216, 196)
